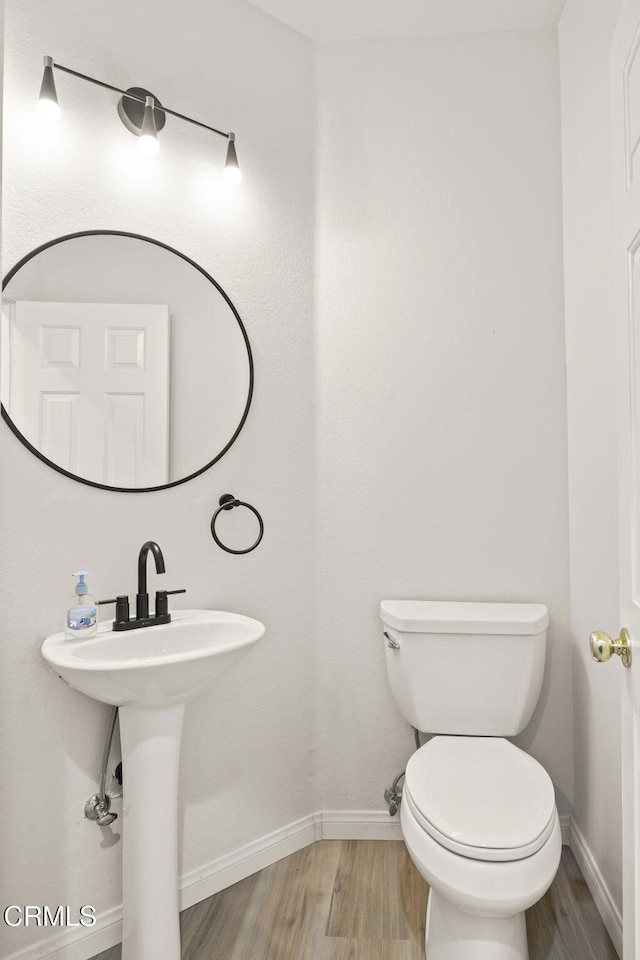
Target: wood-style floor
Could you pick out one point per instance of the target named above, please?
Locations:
(364, 900)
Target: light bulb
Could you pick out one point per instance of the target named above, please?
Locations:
(232, 172)
(148, 146)
(48, 110)
(47, 107)
(233, 175)
(148, 142)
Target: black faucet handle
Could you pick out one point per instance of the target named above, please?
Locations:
(142, 606)
(162, 601)
(122, 608)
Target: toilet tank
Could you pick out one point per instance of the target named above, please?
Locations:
(465, 668)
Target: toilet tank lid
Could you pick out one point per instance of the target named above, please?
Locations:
(439, 616)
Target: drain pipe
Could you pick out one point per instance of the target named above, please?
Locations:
(98, 807)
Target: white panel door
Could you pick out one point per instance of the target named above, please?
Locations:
(625, 79)
(90, 388)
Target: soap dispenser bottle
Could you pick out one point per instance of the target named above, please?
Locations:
(82, 617)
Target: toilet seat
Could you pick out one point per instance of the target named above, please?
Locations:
(481, 797)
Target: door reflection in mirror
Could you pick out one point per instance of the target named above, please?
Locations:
(125, 365)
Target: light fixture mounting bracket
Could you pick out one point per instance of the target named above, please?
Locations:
(131, 111)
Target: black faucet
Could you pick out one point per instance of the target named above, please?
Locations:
(142, 618)
(142, 597)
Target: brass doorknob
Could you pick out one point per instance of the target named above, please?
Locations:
(603, 647)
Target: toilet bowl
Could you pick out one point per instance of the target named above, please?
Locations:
(480, 823)
(478, 814)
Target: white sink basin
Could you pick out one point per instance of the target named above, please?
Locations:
(153, 666)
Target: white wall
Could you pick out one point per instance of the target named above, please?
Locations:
(585, 35)
(231, 65)
(440, 367)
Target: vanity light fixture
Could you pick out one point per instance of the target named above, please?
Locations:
(148, 141)
(140, 111)
(48, 107)
(232, 171)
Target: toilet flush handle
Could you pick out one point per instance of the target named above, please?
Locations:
(391, 641)
(603, 647)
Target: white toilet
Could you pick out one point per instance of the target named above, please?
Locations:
(478, 814)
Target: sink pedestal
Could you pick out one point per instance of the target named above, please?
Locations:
(150, 761)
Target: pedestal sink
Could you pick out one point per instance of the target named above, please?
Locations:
(149, 674)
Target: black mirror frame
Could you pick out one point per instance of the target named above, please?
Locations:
(104, 486)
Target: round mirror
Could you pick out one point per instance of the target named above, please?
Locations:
(124, 364)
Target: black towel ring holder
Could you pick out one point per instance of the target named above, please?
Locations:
(227, 502)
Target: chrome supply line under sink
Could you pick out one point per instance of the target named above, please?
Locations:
(98, 807)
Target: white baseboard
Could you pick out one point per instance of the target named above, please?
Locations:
(359, 825)
(212, 877)
(599, 890)
(71, 945)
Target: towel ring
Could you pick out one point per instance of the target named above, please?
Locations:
(227, 502)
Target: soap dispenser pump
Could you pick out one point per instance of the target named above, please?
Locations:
(82, 617)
